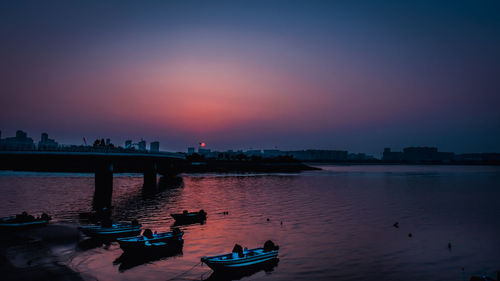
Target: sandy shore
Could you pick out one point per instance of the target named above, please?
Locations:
(35, 254)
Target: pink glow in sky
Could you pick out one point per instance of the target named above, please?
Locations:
(295, 76)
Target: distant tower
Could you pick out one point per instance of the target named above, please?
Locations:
(142, 145)
(128, 144)
(154, 146)
(108, 141)
(45, 137)
(21, 135)
(190, 150)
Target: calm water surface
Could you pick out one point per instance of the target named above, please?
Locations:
(337, 223)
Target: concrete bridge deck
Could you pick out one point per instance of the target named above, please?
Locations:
(102, 164)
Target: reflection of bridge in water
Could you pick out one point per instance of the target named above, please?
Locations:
(102, 164)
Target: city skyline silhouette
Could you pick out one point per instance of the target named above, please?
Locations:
(324, 75)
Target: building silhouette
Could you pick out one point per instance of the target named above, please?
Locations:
(128, 144)
(319, 155)
(271, 153)
(204, 151)
(420, 154)
(142, 145)
(47, 144)
(392, 156)
(19, 142)
(154, 146)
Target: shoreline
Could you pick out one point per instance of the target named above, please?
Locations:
(215, 166)
(29, 254)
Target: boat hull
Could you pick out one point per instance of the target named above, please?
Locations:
(247, 262)
(12, 223)
(237, 274)
(110, 232)
(134, 258)
(157, 248)
(23, 224)
(189, 218)
(139, 243)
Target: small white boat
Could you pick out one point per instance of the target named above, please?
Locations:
(113, 231)
(240, 260)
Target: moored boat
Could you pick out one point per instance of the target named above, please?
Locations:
(111, 231)
(149, 240)
(150, 253)
(242, 259)
(96, 216)
(160, 247)
(190, 217)
(24, 221)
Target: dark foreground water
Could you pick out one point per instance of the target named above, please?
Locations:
(337, 223)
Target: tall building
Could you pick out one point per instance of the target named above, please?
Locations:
(47, 144)
(154, 146)
(19, 142)
(190, 150)
(142, 145)
(128, 144)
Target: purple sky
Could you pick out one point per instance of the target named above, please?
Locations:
(254, 74)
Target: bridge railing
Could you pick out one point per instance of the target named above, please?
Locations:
(94, 149)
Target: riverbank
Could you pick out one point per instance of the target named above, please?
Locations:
(221, 166)
(31, 254)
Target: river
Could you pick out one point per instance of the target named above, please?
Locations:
(334, 224)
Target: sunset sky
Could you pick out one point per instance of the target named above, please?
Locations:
(353, 75)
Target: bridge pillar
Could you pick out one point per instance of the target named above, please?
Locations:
(103, 186)
(150, 182)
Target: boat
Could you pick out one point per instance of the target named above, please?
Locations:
(96, 216)
(485, 278)
(111, 231)
(24, 221)
(190, 217)
(130, 259)
(240, 259)
(150, 240)
(230, 275)
(161, 247)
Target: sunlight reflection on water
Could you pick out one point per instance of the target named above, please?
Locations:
(337, 223)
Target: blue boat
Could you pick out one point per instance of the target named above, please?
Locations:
(230, 275)
(149, 240)
(242, 259)
(23, 221)
(149, 253)
(113, 231)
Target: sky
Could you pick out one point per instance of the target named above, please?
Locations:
(349, 75)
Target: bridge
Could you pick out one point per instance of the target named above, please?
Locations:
(102, 164)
